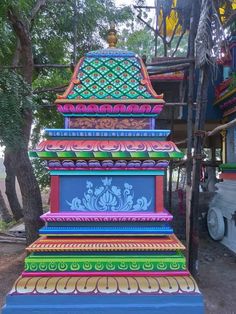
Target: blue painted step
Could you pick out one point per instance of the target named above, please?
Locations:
(103, 231)
(102, 304)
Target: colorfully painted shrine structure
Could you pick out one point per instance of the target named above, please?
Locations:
(107, 245)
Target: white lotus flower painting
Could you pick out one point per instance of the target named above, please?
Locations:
(108, 197)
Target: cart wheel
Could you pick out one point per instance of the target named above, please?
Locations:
(215, 224)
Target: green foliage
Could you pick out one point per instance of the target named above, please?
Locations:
(52, 32)
(233, 82)
(183, 46)
(140, 41)
(4, 226)
(6, 41)
(41, 173)
(15, 97)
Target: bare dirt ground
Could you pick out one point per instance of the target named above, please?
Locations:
(217, 279)
(11, 265)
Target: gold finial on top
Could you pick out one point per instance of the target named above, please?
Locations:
(111, 36)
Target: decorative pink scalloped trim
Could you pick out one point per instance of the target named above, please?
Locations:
(107, 108)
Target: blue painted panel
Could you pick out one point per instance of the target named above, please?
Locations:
(102, 304)
(107, 194)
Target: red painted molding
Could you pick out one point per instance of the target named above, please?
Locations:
(228, 176)
(54, 196)
(159, 194)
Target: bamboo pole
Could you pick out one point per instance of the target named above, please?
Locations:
(171, 61)
(170, 68)
(216, 130)
(189, 140)
(197, 161)
(221, 128)
(48, 65)
(170, 164)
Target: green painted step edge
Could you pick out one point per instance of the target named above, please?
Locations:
(228, 166)
(141, 155)
(85, 263)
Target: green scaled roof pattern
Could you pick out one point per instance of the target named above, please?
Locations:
(110, 77)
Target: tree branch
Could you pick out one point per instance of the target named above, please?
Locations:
(178, 43)
(19, 27)
(144, 7)
(60, 88)
(212, 132)
(221, 127)
(146, 23)
(230, 20)
(37, 7)
(48, 65)
(16, 57)
(22, 33)
(173, 34)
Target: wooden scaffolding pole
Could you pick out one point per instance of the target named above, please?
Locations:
(191, 47)
(197, 162)
(203, 62)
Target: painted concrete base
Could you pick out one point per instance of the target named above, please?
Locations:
(103, 304)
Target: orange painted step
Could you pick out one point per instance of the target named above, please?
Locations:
(167, 243)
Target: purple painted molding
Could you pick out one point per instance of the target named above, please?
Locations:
(108, 164)
(111, 109)
(165, 216)
(228, 103)
(54, 217)
(110, 273)
(152, 123)
(66, 122)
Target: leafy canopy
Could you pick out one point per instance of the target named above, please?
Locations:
(15, 96)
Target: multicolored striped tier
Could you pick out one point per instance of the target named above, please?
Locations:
(167, 243)
(105, 149)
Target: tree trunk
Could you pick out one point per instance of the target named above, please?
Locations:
(31, 197)
(4, 213)
(10, 182)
